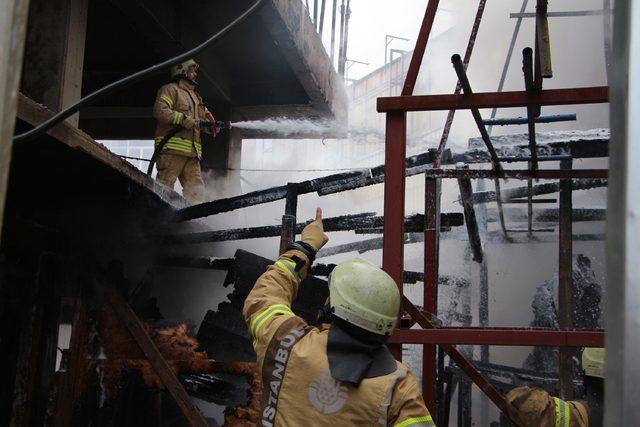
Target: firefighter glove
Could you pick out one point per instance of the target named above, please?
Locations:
(313, 234)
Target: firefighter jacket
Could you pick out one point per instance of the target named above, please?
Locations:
(534, 407)
(298, 389)
(178, 104)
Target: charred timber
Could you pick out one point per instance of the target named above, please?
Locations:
(519, 173)
(357, 179)
(222, 389)
(259, 197)
(466, 196)
(553, 215)
(548, 188)
(342, 223)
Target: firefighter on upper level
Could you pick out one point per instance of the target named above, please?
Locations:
(179, 105)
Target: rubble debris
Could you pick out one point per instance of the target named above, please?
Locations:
(245, 415)
(180, 350)
(221, 389)
(587, 311)
(223, 332)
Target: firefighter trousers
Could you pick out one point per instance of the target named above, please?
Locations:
(187, 170)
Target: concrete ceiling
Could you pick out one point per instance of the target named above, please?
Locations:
(273, 64)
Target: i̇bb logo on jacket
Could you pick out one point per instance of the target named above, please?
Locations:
(327, 395)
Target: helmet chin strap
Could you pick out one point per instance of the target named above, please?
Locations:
(191, 82)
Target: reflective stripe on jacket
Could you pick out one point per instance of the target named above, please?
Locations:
(174, 103)
(536, 408)
(297, 385)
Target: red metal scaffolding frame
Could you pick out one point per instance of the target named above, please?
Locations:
(396, 109)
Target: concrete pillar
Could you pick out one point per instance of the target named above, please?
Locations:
(54, 55)
(221, 166)
(13, 25)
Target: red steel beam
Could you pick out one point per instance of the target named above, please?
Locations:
(501, 336)
(518, 173)
(585, 95)
(421, 47)
(393, 238)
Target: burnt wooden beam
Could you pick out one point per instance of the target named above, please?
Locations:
(565, 280)
(365, 221)
(352, 180)
(547, 188)
(553, 215)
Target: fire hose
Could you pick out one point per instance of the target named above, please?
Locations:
(106, 90)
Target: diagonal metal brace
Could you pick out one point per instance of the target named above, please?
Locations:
(475, 375)
(466, 87)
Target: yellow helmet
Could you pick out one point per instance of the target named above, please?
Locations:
(593, 362)
(181, 69)
(365, 296)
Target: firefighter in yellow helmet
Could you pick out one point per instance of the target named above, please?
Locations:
(179, 105)
(340, 374)
(534, 407)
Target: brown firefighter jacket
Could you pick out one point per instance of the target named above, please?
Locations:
(298, 389)
(536, 408)
(178, 104)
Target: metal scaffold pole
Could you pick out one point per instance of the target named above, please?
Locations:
(622, 382)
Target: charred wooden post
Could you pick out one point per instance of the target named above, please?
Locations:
(532, 111)
(467, 58)
(565, 281)
(466, 87)
(288, 234)
(430, 291)
(466, 198)
(72, 383)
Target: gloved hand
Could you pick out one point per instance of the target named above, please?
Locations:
(188, 122)
(313, 234)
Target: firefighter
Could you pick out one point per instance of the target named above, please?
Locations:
(341, 373)
(178, 104)
(534, 407)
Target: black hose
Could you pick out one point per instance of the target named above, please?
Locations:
(160, 147)
(62, 115)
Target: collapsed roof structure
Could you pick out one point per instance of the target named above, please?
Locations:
(75, 212)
